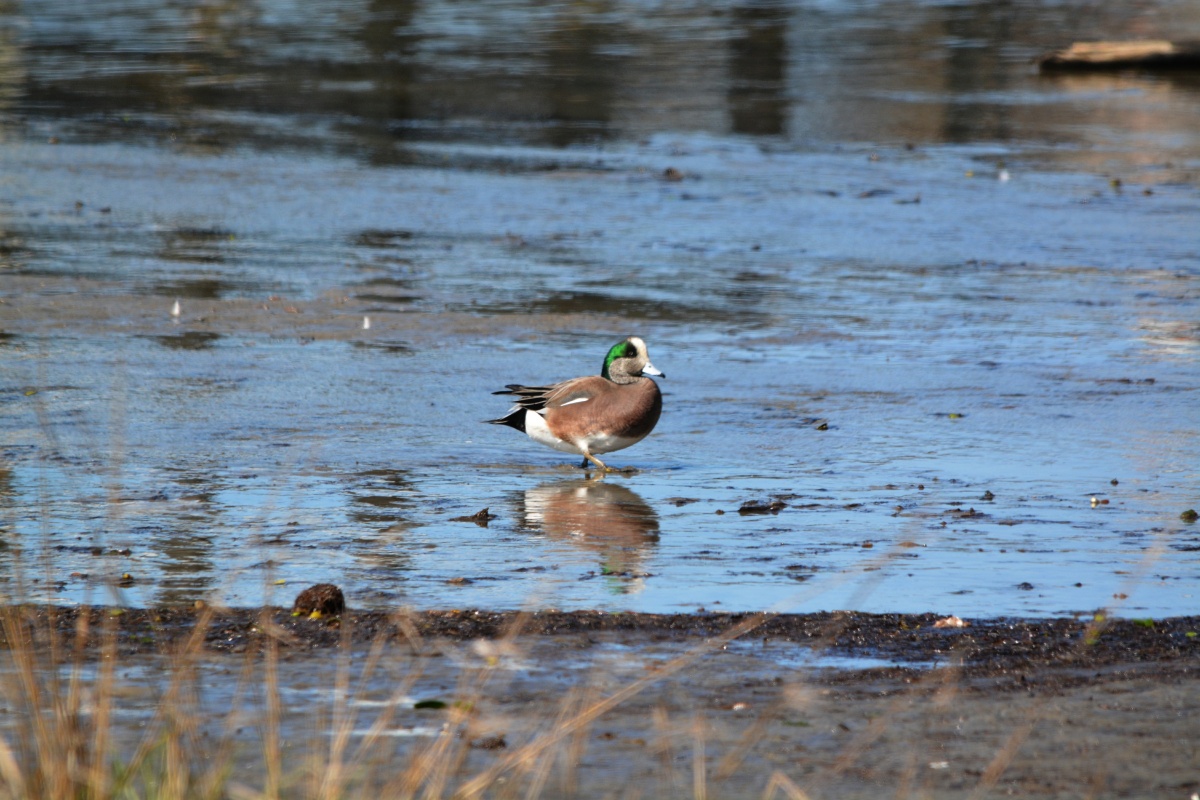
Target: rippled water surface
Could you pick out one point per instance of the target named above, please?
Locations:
(945, 309)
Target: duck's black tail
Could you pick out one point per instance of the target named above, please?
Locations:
(513, 419)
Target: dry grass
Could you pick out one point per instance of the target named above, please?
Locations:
(65, 735)
(66, 744)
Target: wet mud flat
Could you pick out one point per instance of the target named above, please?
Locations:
(994, 388)
(987, 648)
(595, 704)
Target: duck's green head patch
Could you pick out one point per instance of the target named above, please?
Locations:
(624, 349)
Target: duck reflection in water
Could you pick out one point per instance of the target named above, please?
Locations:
(599, 516)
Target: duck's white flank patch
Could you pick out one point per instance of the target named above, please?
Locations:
(576, 400)
(537, 429)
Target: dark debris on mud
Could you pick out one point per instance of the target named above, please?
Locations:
(1087, 649)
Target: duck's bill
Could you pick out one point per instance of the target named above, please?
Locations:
(650, 369)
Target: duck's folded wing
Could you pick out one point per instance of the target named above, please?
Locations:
(533, 398)
(540, 398)
(576, 391)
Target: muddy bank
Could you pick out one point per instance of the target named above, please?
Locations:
(588, 704)
(985, 648)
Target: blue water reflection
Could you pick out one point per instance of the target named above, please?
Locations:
(890, 270)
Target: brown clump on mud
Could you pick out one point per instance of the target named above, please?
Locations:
(321, 599)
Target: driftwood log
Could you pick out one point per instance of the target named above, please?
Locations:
(1143, 54)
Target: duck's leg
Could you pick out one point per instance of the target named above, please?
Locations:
(589, 457)
(584, 465)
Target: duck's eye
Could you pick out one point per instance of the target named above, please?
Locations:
(630, 351)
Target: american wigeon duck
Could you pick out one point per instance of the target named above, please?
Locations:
(595, 414)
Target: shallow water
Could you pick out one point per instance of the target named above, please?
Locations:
(893, 272)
